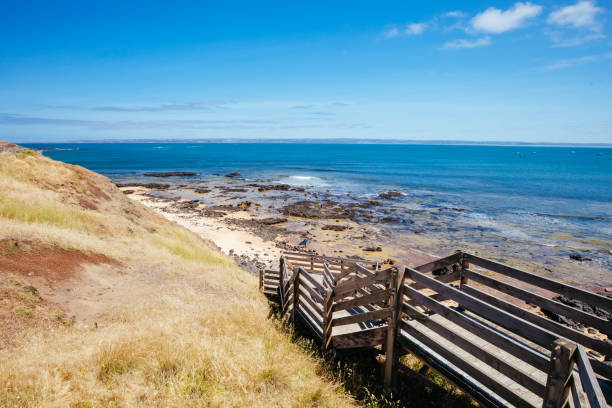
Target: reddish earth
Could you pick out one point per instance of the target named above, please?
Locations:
(55, 264)
(9, 147)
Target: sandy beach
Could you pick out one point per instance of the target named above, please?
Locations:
(254, 221)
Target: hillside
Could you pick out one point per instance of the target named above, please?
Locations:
(105, 303)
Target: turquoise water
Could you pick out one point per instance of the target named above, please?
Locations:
(524, 192)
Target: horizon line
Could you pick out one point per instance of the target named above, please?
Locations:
(329, 141)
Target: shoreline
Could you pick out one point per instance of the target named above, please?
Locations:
(254, 222)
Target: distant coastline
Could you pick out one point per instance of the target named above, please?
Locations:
(333, 141)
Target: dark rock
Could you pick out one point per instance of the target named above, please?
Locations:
(334, 227)
(171, 174)
(389, 219)
(326, 209)
(271, 221)
(153, 186)
(245, 204)
(235, 190)
(390, 195)
(232, 175)
(270, 187)
(579, 258)
(126, 192)
(202, 190)
(372, 249)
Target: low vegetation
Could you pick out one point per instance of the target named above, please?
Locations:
(144, 313)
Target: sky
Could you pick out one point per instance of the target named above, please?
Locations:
(489, 70)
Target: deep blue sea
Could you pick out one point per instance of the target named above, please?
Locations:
(512, 188)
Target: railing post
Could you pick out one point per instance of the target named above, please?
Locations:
(261, 278)
(559, 379)
(296, 294)
(391, 327)
(464, 265)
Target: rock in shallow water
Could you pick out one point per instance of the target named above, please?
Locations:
(171, 174)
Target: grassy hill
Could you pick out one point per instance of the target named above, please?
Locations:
(105, 303)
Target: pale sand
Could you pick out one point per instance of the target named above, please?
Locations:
(241, 241)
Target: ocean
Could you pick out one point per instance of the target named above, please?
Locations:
(544, 196)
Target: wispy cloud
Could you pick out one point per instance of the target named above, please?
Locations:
(496, 21)
(391, 32)
(563, 40)
(467, 43)
(580, 15)
(455, 13)
(188, 124)
(409, 29)
(572, 62)
(415, 28)
(165, 107)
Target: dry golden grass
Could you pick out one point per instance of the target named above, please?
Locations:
(186, 328)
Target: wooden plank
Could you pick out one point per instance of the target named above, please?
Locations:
(513, 347)
(312, 292)
(561, 288)
(589, 381)
(362, 300)
(439, 263)
(579, 398)
(602, 368)
(548, 304)
(500, 317)
(308, 322)
(307, 292)
(362, 317)
(312, 281)
(562, 330)
(329, 278)
(483, 355)
(484, 378)
(326, 258)
(313, 314)
(361, 339)
(350, 286)
(559, 374)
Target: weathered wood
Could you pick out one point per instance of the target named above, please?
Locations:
(471, 370)
(579, 398)
(362, 300)
(352, 285)
(305, 275)
(439, 263)
(478, 352)
(364, 338)
(589, 381)
(327, 317)
(545, 303)
(296, 294)
(391, 323)
(511, 346)
(306, 294)
(559, 374)
(328, 277)
(561, 288)
(602, 368)
(362, 317)
(562, 330)
(316, 330)
(502, 318)
(304, 286)
(310, 311)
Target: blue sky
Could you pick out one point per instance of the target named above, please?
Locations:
(483, 70)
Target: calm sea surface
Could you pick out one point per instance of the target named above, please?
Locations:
(527, 193)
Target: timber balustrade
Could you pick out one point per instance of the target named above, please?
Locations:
(475, 321)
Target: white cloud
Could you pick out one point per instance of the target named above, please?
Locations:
(391, 32)
(497, 21)
(415, 28)
(455, 13)
(560, 40)
(467, 43)
(568, 63)
(580, 15)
